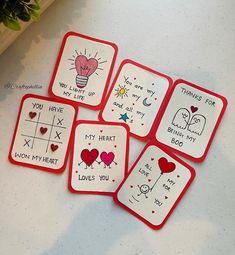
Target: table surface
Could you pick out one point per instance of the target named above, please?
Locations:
(193, 40)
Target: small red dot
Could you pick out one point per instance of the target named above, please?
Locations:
(115, 146)
(149, 180)
(89, 143)
(166, 197)
(112, 110)
(76, 172)
(134, 78)
(153, 211)
(131, 186)
(155, 98)
(113, 180)
(101, 131)
(133, 104)
(142, 124)
(152, 159)
(178, 176)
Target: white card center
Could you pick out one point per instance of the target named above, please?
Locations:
(99, 157)
(154, 185)
(43, 133)
(136, 97)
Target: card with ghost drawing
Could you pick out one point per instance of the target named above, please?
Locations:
(99, 158)
(83, 70)
(43, 133)
(154, 186)
(136, 98)
(190, 120)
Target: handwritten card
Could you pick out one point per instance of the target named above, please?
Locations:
(136, 97)
(190, 120)
(42, 134)
(99, 158)
(83, 70)
(154, 186)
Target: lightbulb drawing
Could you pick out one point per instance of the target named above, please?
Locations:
(85, 67)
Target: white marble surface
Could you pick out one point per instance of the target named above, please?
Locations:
(190, 39)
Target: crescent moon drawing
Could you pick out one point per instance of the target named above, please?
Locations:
(145, 102)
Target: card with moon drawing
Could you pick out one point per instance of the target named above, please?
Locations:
(99, 158)
(136, 98)
(155, 184)
(190, 120)
(83, 70)
(43, 133)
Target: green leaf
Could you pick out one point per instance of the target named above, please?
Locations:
(24, 16)
(11, 23)
(34, 15)
(34, 6)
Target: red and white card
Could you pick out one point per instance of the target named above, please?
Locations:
(154, 186)
(190, 120)
(43, 133)
(99, 159)
(83, 70)
(136, 98)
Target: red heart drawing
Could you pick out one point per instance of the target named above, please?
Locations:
(107, 158)
(84, 66)
(89, 156)
(165, 165)
(54, 147)
(32, 114)
(193, 108)
(43, 130)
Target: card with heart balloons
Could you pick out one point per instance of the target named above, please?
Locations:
(83, 70)
(43, 133)
(190, 120)
(154, 186)
(99, 159)
(136, 98)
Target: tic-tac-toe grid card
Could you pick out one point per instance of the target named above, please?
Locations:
(136, 98)
(190, 120)
(99, 158)
(155, 184)
(42, 134)
(83, 70)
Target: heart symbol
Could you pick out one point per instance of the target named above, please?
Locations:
(54, 147)
(165, 165)
(89, 156)
(32, 114)
(84, 66)
(193, 108)
(107, 158)
(43, 130)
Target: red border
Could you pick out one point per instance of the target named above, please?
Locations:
(193, 174)
(162, 106)
(55, 171)
(71, 158)
(225, 103)
(94, 107)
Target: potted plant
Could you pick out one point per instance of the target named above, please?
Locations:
(16, 15)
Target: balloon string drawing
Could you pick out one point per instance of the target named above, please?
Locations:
(90, 156)
(165, 167)
(85, 66)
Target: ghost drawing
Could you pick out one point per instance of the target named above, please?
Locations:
(181, 118)
(197, 124)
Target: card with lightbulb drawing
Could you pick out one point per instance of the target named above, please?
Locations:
(99, 159)
(42, 135)
(136, 98)
(154, 186)
(83, 70)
